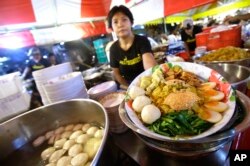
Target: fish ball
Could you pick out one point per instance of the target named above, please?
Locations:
(59, 130)
(75, 134)
(91, 146)
(99, 133)
(51, 140)
(68, 144)
(47, 153)
(136, 91)
(51, 164)
(64, 161)
(79, 159)
(85, 127)
(59, 143)
(150, 113)
(56, 155)
(77, 127)
(49, 134)
(91, 131)
(39, 141)
(140, 102)
(66, 134)
(75, 149)
(82, 139)
(69, 127)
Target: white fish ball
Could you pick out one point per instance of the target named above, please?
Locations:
(75, 149)
(150, 113)
(64, 161)
(68, 144)
(136, 91)
(75, 134)
(140, 102)
(59, 143)
(47, 153)
(79, 159)
(99, 133)
(69, 127)
(59, 130)
(39, 141)
(56, 155)
(82, 139)
(91, 146)
(85, 127)
(66, 134)
(49, 134)
(77, 127)
(91, 131)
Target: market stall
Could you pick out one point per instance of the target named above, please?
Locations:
(170, 114)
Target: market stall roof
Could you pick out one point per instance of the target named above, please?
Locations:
(39, 22)
(210, 9)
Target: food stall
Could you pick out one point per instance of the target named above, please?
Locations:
(41, 134)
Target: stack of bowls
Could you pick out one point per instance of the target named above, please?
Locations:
(111, 103)
(43, 75)
(100, 90)
(65, 87)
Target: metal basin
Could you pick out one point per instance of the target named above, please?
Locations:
(192, 148)
(238, 76)
(23, 129)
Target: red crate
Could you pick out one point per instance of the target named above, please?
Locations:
(221, 39)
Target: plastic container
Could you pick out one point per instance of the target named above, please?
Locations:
(216, 40)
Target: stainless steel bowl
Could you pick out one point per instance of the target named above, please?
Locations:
(188, 148)
(23, 129)
(238, 76)
(242, 62)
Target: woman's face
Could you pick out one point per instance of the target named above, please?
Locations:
(121, 25)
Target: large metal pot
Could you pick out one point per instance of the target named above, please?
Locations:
(238, 76)
(23, 129)
(203, 146)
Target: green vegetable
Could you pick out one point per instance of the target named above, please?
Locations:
(182, 123)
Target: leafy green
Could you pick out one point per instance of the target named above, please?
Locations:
(182, 123)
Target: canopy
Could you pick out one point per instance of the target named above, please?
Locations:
(39, 22)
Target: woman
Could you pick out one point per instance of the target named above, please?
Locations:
(131, 54)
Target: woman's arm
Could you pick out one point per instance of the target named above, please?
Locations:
(148, 60)
(119, 78)
(25, 73)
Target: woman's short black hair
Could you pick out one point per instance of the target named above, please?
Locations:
(122, 9)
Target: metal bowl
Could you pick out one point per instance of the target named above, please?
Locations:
(187, 148)
(238, 76)
(242, 62)
(21, 130)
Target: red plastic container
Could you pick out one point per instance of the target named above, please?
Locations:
(216, 40)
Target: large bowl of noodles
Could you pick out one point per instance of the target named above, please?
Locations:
(154, 120)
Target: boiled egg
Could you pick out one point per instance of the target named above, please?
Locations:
(210, 116)
(207, 85)
(213, 95)
(216, 106)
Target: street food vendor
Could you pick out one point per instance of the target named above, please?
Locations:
(188, 35)
(131, 54)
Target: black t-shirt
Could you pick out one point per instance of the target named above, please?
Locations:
(130, 62)
(190, 40)
(43, 63)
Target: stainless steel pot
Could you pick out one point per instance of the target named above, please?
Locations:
(24, 128)
(197, 147)
(238, 76)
